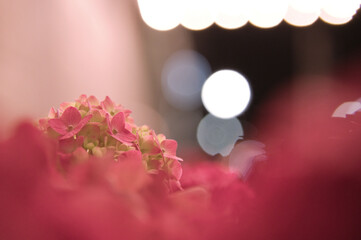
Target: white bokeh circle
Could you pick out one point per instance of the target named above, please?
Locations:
(217, 135)
(226, 94)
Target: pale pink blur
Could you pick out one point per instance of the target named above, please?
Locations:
(53, 51)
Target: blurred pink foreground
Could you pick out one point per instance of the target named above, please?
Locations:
(309, 188)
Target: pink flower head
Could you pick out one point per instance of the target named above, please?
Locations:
(110, 107)
(82, 100)
(168, 146)
(175, 169)
(149, 145)
(88, 127)
(53, 113)
(118, 130)
(64, 106)
(70, 144)
(94, 102)
(70, 123)
(133, 155)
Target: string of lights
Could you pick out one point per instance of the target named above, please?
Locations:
(165, 15)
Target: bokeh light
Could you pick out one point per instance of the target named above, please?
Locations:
(197, 14)
(217, 135)
(243, 156)
(334, 20)
(267, 14)
(226, 94)
(306, 6)
(182, 79)
(341, 9)
(347, 108)
(231, 14)
(161, 15)
(300, 19)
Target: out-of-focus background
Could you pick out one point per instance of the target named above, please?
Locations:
(155, 57)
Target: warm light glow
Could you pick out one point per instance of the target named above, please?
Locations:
(300, 19)
(231, 14)
(341, 9)
(183, 76)
(197, 14)
(334, 20)
(226, 94)
(161, 15)
(306, 6)
(347, 108)
(267, 14)
(217, 135)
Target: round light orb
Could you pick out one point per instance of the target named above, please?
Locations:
(197, 14)
(334, 20)
(231, 14)
(217, 135)
(226, 94)
(161, 15)
(183, 76)
(307, 6)
(341, 9)
(267, 14)
(300, 19)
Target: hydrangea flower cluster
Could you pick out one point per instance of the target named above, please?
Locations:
(88, 127)
(309, 188)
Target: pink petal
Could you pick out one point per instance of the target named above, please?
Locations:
(128, 126)
(98, 116)
(71, 116)
(58, 126)
(83, 122)
(82, 99)
(108, 104)
(68, 135)
(125, 136)
(133, 155)
(78, 127)
(64, 160)
(175, 185)
(169, 146)
(93, 101)
(118, 122)
(90, 130)
(108, 122)
(127, 112)
(174, 157)
(79, 155)
(64, 106)
(43, 124)
(175, 169)
(155, 137)
(149, 145)
(128, 174)
(52, 113)
(70, 144)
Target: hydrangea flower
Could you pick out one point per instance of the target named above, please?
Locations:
(118, 130)
(70, 123)
(106, 197)
(111, 190)
(89, 127)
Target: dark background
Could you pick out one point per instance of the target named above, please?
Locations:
(272, 58)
